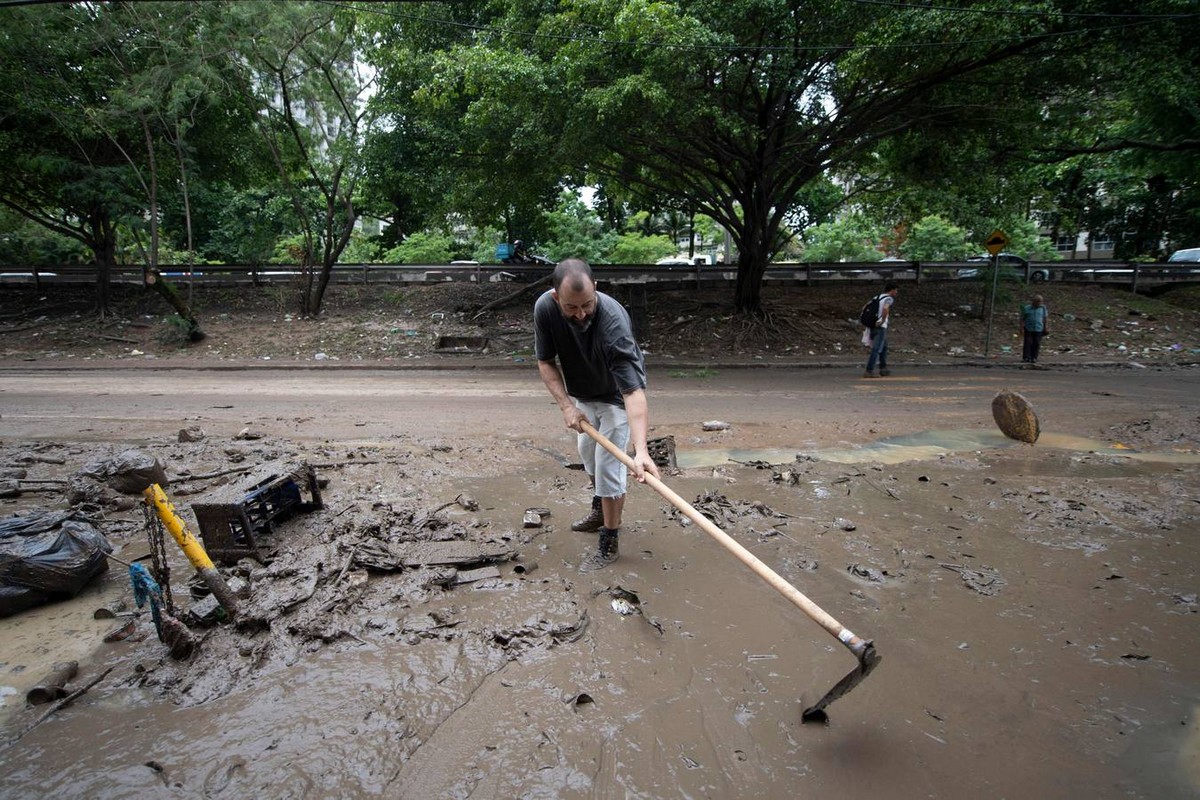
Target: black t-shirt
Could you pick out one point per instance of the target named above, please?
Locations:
(599, 364)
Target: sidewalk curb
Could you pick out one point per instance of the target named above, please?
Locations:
(653, 364)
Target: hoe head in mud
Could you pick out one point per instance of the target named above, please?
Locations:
(868, 659)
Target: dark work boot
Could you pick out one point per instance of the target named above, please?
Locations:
(593, 521)
(605, 553)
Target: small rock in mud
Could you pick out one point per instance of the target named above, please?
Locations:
(871, 574)
(845, 524)
(715, 425)
(192, 434)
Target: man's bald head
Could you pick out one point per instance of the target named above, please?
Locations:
(574, 273)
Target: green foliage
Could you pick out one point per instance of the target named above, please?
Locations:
(247, 226)
(174, 331)
(576, 231)
(935, 239)
(850, 238)
(421, 248)
(634, 248)
(701, 373)
(25, 243)
(360, 250)
(1025, 240)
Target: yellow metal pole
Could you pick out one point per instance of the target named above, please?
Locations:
(191, 546)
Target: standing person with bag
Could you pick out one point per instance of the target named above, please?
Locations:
(1034, 319)
(593, 368)
(880, 309)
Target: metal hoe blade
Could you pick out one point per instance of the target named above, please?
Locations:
(868, 659)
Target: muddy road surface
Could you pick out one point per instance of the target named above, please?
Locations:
(1035, 606)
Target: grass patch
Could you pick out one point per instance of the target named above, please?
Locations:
(702, 372)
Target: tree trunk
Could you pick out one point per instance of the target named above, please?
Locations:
(169, 293)
(755, 239)
(104, 248)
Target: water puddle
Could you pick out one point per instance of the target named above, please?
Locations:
(65, 631)
(926, 445)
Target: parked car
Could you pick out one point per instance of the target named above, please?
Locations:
(1189, 256)
(1013, 265)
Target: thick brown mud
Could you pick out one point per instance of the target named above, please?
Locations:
(1035, 606)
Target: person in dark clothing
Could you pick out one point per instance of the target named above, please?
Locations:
(593, 368)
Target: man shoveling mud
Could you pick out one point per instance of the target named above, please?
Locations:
(594, 369)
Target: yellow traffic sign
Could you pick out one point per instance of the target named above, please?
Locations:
(996, 241)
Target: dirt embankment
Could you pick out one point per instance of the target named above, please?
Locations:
(407, 324)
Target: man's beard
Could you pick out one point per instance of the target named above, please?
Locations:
(582, 325)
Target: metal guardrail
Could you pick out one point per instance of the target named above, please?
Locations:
(1104, 272)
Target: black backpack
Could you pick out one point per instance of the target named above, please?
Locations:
(870, 312)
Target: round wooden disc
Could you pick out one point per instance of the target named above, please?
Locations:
(1015, 417)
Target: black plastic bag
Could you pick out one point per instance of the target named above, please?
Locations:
(128, 472)
(47, 555)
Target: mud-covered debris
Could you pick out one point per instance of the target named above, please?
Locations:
(845, 524)
(624, 596)
(787, 477)
(420, 554)
(475, 575)
(192, 434)
(205, 612)
(723, 511)
(715, 425)
(627, 603)
(467, 502)
(247, 435)
(1136, 655)
(581, 699)
(623, 607)
(52, 686)
(985, 581)
(662, 451)
(9, 489)
(525, 567)
(869, 573)
(121, 632)
(128, 472)
(110, 610)
(755, 463)
(534, 517)
(376, 555)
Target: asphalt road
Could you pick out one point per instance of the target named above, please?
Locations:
(824, 405)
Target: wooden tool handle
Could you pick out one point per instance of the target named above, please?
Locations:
(818, 615)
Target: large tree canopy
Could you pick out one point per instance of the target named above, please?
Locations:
(736, 107)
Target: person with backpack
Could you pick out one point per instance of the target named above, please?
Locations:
(874, 317)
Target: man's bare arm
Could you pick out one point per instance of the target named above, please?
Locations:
(552, 378)
(638, 411)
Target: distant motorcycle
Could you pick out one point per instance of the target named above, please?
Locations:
(516, 254)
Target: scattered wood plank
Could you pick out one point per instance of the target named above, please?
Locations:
(423, 554)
